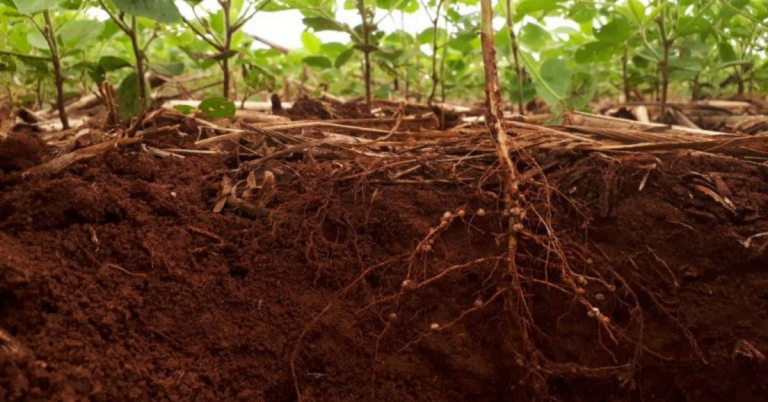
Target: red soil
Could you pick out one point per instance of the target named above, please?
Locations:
(21, 151)
(125, 286)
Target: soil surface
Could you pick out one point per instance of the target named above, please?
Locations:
(122, 285)
(315, 109)
(21, 151)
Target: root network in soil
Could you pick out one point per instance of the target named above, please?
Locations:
(131, 277)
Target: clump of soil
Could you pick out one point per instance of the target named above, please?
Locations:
(306, 108)
(125, 286)
(21, 151)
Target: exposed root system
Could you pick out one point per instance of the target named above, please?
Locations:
(369, 261)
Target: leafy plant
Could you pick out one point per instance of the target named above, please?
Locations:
(639, 50)
(217, 108)
(515, 45)
(221, 30)
(435, 34)
(125, 14)
(48, 32)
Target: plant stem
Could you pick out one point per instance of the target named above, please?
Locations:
(739, 80)
(226, 6)
(367, 51)
(202, 35)
(442, 63)
(494, 119)
(133, 34)
(515, 58)
(39, 93)
(696, 89)
(50, 37)
(435, 77)
(26, 56)
(664, 64)
(407, 74)
(367, 76)
(279, 48)
(625, 75)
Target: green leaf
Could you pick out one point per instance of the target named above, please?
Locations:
(318, 61)
(35, 65)
(216, 22)
(637, 10)
(514, 89)
(258, 78)
(110, 29)
(552, 79)
(386, 67)
(456, 65)
(235, 8)
(695, 47)
(390, 55)
(686, 64)
(36, 39)
(97, 74)
(7, 64)
(640, 62)
(682, 75)
(555, 80)
(734, 63)
(311, 43)
(534, 36)
(324, 24)
(692, 25)
(527, 7)
(655, 12)
(501, 41)
(453, 15)
(78, 32)
(726, 51)
(463, 42)
(217, 108)
(344, 57)
(112, 63)
(426, 35)
(332, 49)
(410, 6)
(582, 90)
(34, 6)
(616, 31)
(71, 4)
(184, 109)
(273, 6)
(221, 56)
(128, 97)
(582, 15)
(170, 69)
(366, 48)
(389, 4)
(594, 52)
(158, 10)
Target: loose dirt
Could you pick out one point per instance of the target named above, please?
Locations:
(124, 285)
(21, 151)
(314, 109)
